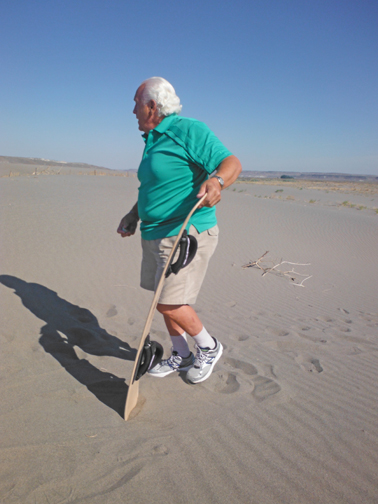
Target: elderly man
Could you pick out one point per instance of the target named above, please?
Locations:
(179, 156)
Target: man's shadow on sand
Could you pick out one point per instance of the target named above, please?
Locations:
(67, 326)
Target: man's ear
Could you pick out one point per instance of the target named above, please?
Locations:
(152, 105)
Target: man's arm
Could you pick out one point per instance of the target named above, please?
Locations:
(129, 223)
(229, 170)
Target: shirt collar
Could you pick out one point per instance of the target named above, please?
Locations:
(166, 123)
(163, 126)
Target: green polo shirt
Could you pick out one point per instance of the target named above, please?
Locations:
(178, 157)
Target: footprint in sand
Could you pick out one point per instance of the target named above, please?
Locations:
(246, 367)
(160, 449)
(268, 370)
(112, 312)
(264, 388)
(316, 364)
(344, 329)
(344, 336)
(226, 382)
(239, 337)
(354, 351)
(325, 319)
(310, 364)
(222, 382)
(245, 377)
(371, 319)
(277, 332)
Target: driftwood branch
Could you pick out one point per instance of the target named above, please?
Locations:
(292, 274)
(301, 284)
(255, 263)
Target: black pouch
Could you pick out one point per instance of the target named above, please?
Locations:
(150, 356)
(188, 248)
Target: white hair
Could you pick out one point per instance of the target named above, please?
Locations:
(163, 93)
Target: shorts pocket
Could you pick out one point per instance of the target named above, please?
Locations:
(214, 231)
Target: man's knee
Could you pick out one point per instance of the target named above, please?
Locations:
(167, 309)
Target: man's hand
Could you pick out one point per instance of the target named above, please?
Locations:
(129, 223)
(229, 170)
(213, 189)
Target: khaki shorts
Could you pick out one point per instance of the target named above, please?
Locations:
(184, 287)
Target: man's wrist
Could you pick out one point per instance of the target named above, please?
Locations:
(134, 212)
(220, 180)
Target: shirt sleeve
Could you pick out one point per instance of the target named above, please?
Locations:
(204, 148)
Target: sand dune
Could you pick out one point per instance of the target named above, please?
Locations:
(290, 413)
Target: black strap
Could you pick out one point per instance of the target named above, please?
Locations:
(188, 248)
(149, 357)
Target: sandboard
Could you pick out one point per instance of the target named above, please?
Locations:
(133, 391)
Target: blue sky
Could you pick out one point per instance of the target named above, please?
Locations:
(287, 85)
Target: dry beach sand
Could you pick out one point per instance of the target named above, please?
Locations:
(290, 414)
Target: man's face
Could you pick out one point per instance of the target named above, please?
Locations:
(142, 111)
(146, 113)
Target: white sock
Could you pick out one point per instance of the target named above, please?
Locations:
(180, 345)
(204, 340)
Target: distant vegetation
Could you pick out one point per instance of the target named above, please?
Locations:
(255, 176)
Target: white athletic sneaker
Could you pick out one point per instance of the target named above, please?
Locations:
(174, 363)
(204, 363)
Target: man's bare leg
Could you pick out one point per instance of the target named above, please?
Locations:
(178, 338)
(180, 319)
